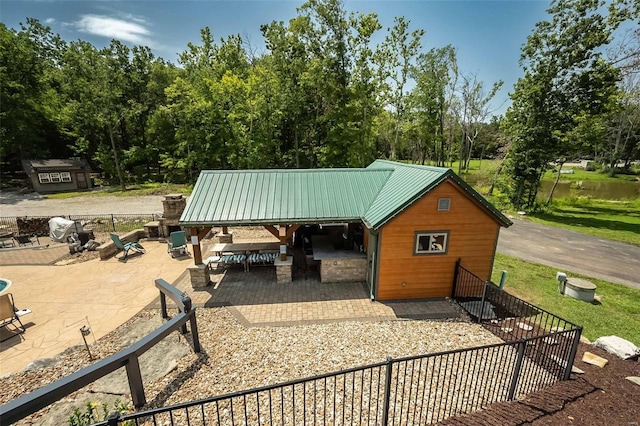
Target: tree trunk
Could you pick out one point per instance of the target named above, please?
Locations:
(555, 183)
(115, 158)
(295, 137)
(395, 139)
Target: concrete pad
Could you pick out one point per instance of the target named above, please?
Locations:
(99, 294)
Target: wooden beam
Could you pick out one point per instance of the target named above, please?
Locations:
(225, 230)
(272, 229)
(204, 232)
(197, 250)
(291, 230)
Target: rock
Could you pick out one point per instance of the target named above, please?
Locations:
(594, 359)
(576, 370)
(634, 379)
(584, 340)
(618, 346)
(507, 329)
(525, 327)
(550, 341)
(597, 298)
(521, 213)
(41, 363)
(557, 329)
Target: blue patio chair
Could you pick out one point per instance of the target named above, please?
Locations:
(125, 247)
(178, 244)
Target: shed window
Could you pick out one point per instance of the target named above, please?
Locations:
(431, 242)
(444, 204)
(54, 177)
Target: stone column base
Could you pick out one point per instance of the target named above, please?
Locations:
(284, 270)
(199, 275)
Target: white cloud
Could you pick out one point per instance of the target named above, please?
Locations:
(50, 21)
(120, 29)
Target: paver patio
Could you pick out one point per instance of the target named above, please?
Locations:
(256, 299)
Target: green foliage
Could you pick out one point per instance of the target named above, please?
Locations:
(617, 313)
(567, 91)
(95, 412)
(323, 94)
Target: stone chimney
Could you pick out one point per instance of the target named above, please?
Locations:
(173, 206)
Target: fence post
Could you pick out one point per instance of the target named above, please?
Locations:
(163, 305)
(455, 279)
(135, 381)
(194, 332)
(387, 392)
(113, 222)
(572, 355)
(516, 370)
(484, 294)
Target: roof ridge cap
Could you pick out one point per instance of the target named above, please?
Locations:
(415, 166)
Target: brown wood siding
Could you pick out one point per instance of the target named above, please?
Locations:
(472, 237)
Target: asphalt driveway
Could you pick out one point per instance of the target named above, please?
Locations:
(572, 251)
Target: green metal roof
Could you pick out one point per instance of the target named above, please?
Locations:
(410, 182)
(246, 197)
(375, 195)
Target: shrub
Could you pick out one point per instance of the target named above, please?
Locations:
(95, 412)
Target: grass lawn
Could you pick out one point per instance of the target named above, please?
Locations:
(132, 191)
(619, 313)
(614, 220)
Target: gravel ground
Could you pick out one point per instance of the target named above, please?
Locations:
(235, 357)
(34, 204)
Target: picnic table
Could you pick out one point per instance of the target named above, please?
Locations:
(245, 254)
(244, 248)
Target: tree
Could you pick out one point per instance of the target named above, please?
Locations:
(435, 74)
(472, 110)
(396, 58)
(28, 100)
(565, 78)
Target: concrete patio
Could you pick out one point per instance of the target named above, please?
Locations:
(105, 294)
(100, 294)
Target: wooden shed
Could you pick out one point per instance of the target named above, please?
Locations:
(417, 221)
(58, 175)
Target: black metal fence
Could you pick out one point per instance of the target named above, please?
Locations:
(19, 408)
(551, 340)
(539, 350)
(103, 223)
(414, 390)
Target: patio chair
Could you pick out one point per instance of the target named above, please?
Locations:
(177, 244)
(125, 247)
(9, 314)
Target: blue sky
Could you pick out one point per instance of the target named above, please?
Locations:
(488, 35)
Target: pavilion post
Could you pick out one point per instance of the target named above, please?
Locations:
(195, 241)
(283, 242)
